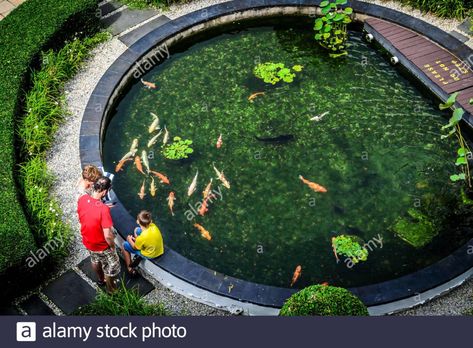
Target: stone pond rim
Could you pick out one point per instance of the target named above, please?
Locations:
(105, 94)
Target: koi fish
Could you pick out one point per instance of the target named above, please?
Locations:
(154, 139)
(319, 118)
(161, 177)
(203, 232)
(335, 250)
(204, 208)
(325, 284)
(222, 178)
(121, 163)
(166, 135)
(219, 142)
(314, 186)
(296, 275)
(193, 185)
(144, 157)
(133, 149)
(152, 188)
(138, 165)
(207, 190)
(171, 198)
(142, 193)
(149, 85)
(155, 124)
(254, 95)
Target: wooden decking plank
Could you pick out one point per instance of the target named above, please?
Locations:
(459, 85)
(415, 41)
(390, 31)
(398, 38)
(414, 54)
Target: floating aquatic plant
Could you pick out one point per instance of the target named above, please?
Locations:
(274, 72)
(178, 149)
(331, 29)
(351, 247)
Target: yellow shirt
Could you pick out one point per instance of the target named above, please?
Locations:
(150, 242)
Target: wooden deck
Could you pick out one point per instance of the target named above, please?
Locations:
(439, 69)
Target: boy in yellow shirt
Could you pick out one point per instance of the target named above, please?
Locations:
(146, 242)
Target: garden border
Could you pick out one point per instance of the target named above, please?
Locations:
(384, 297)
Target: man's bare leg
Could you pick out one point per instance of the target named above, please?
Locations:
(97, 267)
(112, 284)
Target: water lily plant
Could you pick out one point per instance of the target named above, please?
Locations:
(349, 246)
(463, 151)
(331, 29)
(272, 73)
(178, 149)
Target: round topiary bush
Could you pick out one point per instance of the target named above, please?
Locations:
(323, 300)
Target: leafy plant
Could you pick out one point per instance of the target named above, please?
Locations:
(323, 300)
(415, 229)
(123, 302)
(274, 72)
(463, 151)
(141, 4)
(34, 26)
(331, 29)
(350, 246)
(178, 149)
(442, 8)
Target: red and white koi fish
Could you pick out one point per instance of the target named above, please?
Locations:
(161, 177)
(203, 232)
(296, 275)
(171, 198)
(219, 142)
(142, 193)
(147, 84)
(222, 178)
(314, 186)
(193, 185)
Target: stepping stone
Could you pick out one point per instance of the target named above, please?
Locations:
(34, 305)
(134, 35)
(109, 7)
(9, 310)
(123, 20)
(141, 284)
(69, 292)
(465, 26)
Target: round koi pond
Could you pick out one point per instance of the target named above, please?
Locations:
(355, 126)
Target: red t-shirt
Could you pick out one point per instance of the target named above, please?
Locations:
(94, 216)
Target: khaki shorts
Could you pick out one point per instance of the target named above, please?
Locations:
(109, 261)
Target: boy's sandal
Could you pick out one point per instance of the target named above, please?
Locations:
(101, 282)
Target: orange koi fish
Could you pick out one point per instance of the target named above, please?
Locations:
(205, 206)
(219, 142)
(161, 177)
(149, 85)
(314, 186)
(121, 163)
(171, 198)
(296, 275)
(254, 95)
(142, 193)
(335, 250)
(325, 284)
(203, 232)
(138, 165)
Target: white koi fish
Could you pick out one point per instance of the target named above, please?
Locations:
(155, 124)
(193, 185)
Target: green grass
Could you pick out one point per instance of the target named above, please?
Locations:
(34, 26)
(123, 302)
(442, 8)
(141, 4)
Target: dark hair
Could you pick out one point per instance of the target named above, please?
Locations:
(144, 218)
(102, 184)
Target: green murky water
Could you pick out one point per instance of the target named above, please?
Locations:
(378, 152)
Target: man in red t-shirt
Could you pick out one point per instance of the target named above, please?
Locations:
(97, 233)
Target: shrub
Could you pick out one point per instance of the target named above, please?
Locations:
(122, 302)
(32, 27)
(442, 8)
(140, 4)
(323, 300)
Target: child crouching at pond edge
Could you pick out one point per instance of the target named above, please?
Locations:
(146, 241)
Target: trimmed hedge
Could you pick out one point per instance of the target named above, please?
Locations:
(34, 26)
(323, 300)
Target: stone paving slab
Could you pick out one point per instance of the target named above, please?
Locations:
(69, 292)
(123, 20)
(34, 305)
(134, 35)
(109, 7)
(141, 284)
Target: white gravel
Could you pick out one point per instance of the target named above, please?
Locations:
(63, 160)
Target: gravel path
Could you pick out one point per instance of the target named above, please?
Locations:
(63, 160)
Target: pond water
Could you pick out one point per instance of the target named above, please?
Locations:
(378, 153)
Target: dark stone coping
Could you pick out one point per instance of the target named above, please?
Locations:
(90, 152)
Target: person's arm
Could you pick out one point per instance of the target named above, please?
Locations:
(131, 240)
(109, 237)
(107, 227)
